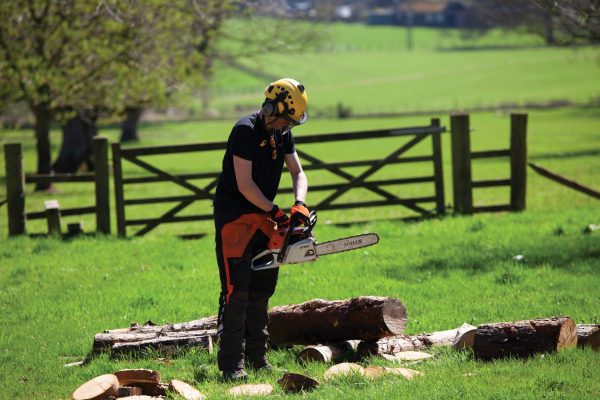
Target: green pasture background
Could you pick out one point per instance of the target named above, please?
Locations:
(54, 296)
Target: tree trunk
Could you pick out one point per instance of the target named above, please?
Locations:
(322, 321)
(524, 338)
(43, 118)
(588, 335)
(77, 143)
(129, 126)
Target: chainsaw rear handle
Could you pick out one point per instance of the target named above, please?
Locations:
(294, 222)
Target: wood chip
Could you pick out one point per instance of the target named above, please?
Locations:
(98, 388)
(127, 376)
(405, 372)
(296, 382)
(261, 389)
(343, 369)
(373, 372)
(412, 356)
(185, 390)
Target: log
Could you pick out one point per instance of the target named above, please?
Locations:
(163, 344)
(524, 338)
(451, 337)
(185, 390)
(98, 388)
(296, 382)
(313, 322)
(331, 352)
(128, 376)
(322, 321)
(588, 335)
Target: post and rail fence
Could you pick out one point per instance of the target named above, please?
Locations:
(462, 181)
(415, 135)
(16, 179)
(462, 157)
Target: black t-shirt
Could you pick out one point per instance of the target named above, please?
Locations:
(249, 140)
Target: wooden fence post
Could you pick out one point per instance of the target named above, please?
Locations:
(119, 196)
(461, 163)
(15, 188)
(53, 218)
(518, 161)
(101, 179)
(438, 169)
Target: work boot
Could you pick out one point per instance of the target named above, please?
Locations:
(237, 374)
(262, 365)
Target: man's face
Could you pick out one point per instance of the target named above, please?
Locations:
(278, 124)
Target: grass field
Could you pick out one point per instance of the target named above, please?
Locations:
(54, 296)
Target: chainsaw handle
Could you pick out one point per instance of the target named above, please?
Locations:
(294, 222)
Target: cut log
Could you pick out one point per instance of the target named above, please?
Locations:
(588, 335)
(261, 389)
(98, 388)
(322, 321)
(185, 390)
(128, 376)
(297, 382)
(127, 391)
(343, 369)
(164, 344)
(332, 352)
(524, 338)
(465, 336)
(413, 342)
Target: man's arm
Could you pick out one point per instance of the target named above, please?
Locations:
(247, 186)
(299, 180)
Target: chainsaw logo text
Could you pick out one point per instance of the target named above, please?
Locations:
(352, 242)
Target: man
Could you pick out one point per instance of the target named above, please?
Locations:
(246, 219)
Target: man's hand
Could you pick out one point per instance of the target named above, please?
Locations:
(279, 217)
(300, 208)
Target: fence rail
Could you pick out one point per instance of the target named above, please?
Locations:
(415, 135)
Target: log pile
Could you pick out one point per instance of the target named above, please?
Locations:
(345, 330)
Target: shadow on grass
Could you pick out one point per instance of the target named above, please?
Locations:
(570, 258)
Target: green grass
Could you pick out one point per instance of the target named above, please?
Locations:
(369, 70)
(56, 296)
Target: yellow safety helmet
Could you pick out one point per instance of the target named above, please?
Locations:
(286, 98)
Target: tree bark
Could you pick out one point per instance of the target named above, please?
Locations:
(588, 335)
(322, 321)
(76, 146)
(43, 118)
(524, 338)
(129, 126)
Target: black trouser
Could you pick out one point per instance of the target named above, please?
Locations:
(244, 299)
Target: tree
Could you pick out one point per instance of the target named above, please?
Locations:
(517, 14)
(580, 18)
(73, 55)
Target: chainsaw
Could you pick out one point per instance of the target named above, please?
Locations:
(299, 245)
